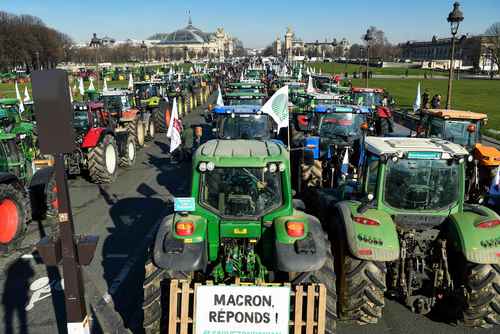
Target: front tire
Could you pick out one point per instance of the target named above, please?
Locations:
(362, 287)
(151, 130)
(482, 305)
(128, 159)
(15, 213)
(103, 161)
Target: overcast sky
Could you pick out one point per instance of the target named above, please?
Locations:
(257, 23)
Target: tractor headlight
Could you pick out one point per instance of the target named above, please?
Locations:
(273, 168)
(202, 167)
(210, 166)
(281, 167)
(470, 158)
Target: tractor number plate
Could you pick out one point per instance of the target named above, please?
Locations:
(242, 309)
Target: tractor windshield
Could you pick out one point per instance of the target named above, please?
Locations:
(245, 126)
(367, 99)
(421, 184)
(454, 131)
(341, 124)
(244, 102)
(241, 192)
(81, 120)
(146, 91)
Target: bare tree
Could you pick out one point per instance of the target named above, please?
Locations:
(493, 43)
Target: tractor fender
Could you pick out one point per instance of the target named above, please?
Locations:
(93, 137)
(173, 252)
(8, 178)
(42, 177)
(367, 242)
(300, 254)
(129, 115)
(478, 244)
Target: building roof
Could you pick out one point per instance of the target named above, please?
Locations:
(188, 35)
(391, 145)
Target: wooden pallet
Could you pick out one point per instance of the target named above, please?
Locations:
(307, 304)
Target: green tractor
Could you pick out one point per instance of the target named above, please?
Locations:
(240, 227)
(407, 233)
(27, 186)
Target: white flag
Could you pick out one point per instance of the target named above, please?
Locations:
(417, 103)
(174, 128)
(299, 76)
(105, 85)
(241, 77)
(18, 97)
(130, 81)
(344, 168)
(310, 87)
(91, 85)
(26, 94)
(277, 107)
(220, 101)
(70, 94)
(81, 88)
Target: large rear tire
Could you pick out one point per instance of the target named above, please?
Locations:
(51, 201)
(15, 213)
(362, 287)
(128, 159)
(155, 305)
(103, 161)
(162, 117)
(482, 305)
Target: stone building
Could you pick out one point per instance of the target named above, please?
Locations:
(296, 47)
(470, 52)
(193, 42)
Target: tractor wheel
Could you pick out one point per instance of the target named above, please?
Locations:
(155, 305)
(151, 130)
(162, 118)
(384, 126)
(128, 159)
(311, 175)
(482, 303)
(140, 133)
(103, 161)
(362, 287)
(15, 213)
(326, 275)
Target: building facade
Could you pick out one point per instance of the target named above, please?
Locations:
(293, 46)
(471, 52)
(195, 43)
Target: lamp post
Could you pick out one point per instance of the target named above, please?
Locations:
(454, 18)
(96, 42)
(368, 37)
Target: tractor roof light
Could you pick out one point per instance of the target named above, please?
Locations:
(184, 229)
(488, 223)
(295, 229)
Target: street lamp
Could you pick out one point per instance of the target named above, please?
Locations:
(368, 37)
(454, 17)
(96, 42)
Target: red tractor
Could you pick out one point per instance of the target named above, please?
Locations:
(101, 144)
(123, 114)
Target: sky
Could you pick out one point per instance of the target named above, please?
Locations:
(258, 22)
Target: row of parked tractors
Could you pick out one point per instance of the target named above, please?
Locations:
(110, 127)
(337, 207)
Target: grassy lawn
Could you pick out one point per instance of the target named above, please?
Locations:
(350, 68)
(474, 95)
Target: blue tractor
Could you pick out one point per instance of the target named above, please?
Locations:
(333, 147)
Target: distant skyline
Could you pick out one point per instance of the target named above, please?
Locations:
(257, 23)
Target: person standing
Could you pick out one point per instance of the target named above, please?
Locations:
(425, 99)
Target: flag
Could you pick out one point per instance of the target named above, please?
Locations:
(70, 94)
(91, 85)
(277, 107)
(130, 81)
(18, 98)
(81, 88)
(174, 128)
(344, 168)
(310, 87)
(105, 85)
(26, 94)
(417, 103)
(299, 76)
(220, 101)
(241, 77)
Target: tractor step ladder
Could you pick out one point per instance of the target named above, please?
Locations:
(307, 307)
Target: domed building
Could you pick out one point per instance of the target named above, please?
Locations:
(193, 42)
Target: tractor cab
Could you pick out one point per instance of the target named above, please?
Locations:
(117, 102)
(89, 115)
(370, 97)
(460, 127)
(243, 122)
(244, 98)
(148, 93)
